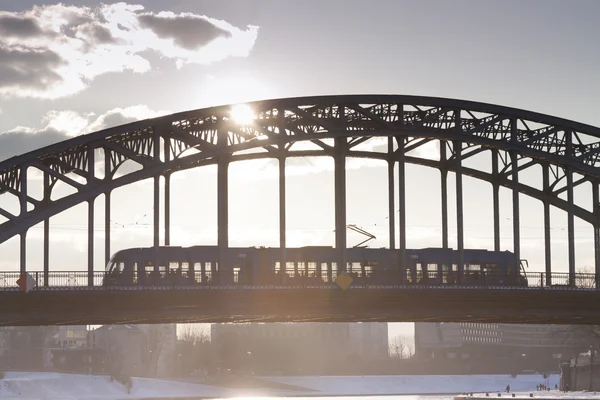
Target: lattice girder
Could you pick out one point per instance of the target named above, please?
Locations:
(162, 145)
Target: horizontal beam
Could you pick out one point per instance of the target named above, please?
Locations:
(299, 305)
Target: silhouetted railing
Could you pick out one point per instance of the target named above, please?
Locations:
(67, 280)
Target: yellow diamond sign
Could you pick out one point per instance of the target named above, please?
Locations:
(343, 281)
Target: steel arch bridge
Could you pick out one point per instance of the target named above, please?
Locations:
(567, 151)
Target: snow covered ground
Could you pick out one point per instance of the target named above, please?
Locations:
(53, 386)
(415, 384)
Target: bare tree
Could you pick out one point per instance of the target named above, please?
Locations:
(400, 347)
(156, 340)
(193, 335)
(585, 278)
(193, 349)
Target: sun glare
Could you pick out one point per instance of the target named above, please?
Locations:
(242, 114)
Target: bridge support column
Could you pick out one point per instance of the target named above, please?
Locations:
(402, 205)
(46, 231)
(91, 176)
(167, 209)
(90, 259)
(223, 214)
(167, 194)
(340, 202)
(596, 209)
(514, 161)
(106, 228)
(571, 225)
(23, 252)
(391, 195)
(156, 221)
(107, 173)
(156, 214)
(459, 209)
(515, 206)
(444, 191)
(496, 199)
(23, 206)
(547, 224)
(282, 216)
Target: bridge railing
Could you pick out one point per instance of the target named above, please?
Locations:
(56, 280)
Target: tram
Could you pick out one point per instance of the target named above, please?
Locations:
(312, 265)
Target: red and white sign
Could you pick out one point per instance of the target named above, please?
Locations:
(26, 282)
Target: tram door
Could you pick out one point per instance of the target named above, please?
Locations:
(412, 275)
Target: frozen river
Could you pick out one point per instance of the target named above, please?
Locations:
(46, 386)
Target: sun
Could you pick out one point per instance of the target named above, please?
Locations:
(242, 114)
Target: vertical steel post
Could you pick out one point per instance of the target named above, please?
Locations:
(515, 196)
(107, 227)
(23, 206)
(91, 176)
(340, 202)
(515, 204)
(402, 203)
(392, 256)
(282, 191)
(496, 199)
(571, 225)
(444, 189)
(596, 209)
(156, 219)
(391, 194)
(107, 174)
(167, 156)
(571, 211)
(46, 231)
(222, 204)
(282, 214)
(459, 208)
(167, 195)
(547, 224)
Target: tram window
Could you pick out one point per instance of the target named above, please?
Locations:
(302, 268)
(289, 268)
(491, 267)
(277, 266)
(473, 267)
(432, 271)
(324, 270)
(312, 268)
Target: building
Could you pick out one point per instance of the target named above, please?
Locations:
(298, 347)
(133, 350)
(540, 343)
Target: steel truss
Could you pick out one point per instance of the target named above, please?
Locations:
(334, 126)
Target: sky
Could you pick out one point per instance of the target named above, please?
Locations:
(74, 68)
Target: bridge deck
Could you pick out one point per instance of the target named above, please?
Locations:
(301, 305)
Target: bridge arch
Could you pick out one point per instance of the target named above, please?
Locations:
(337, 125)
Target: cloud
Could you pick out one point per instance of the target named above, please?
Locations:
(187, 31)
(62, 125)
(21, 27)
(29, 69)
(53, 51)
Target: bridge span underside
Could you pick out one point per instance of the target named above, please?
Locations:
(300, 305)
